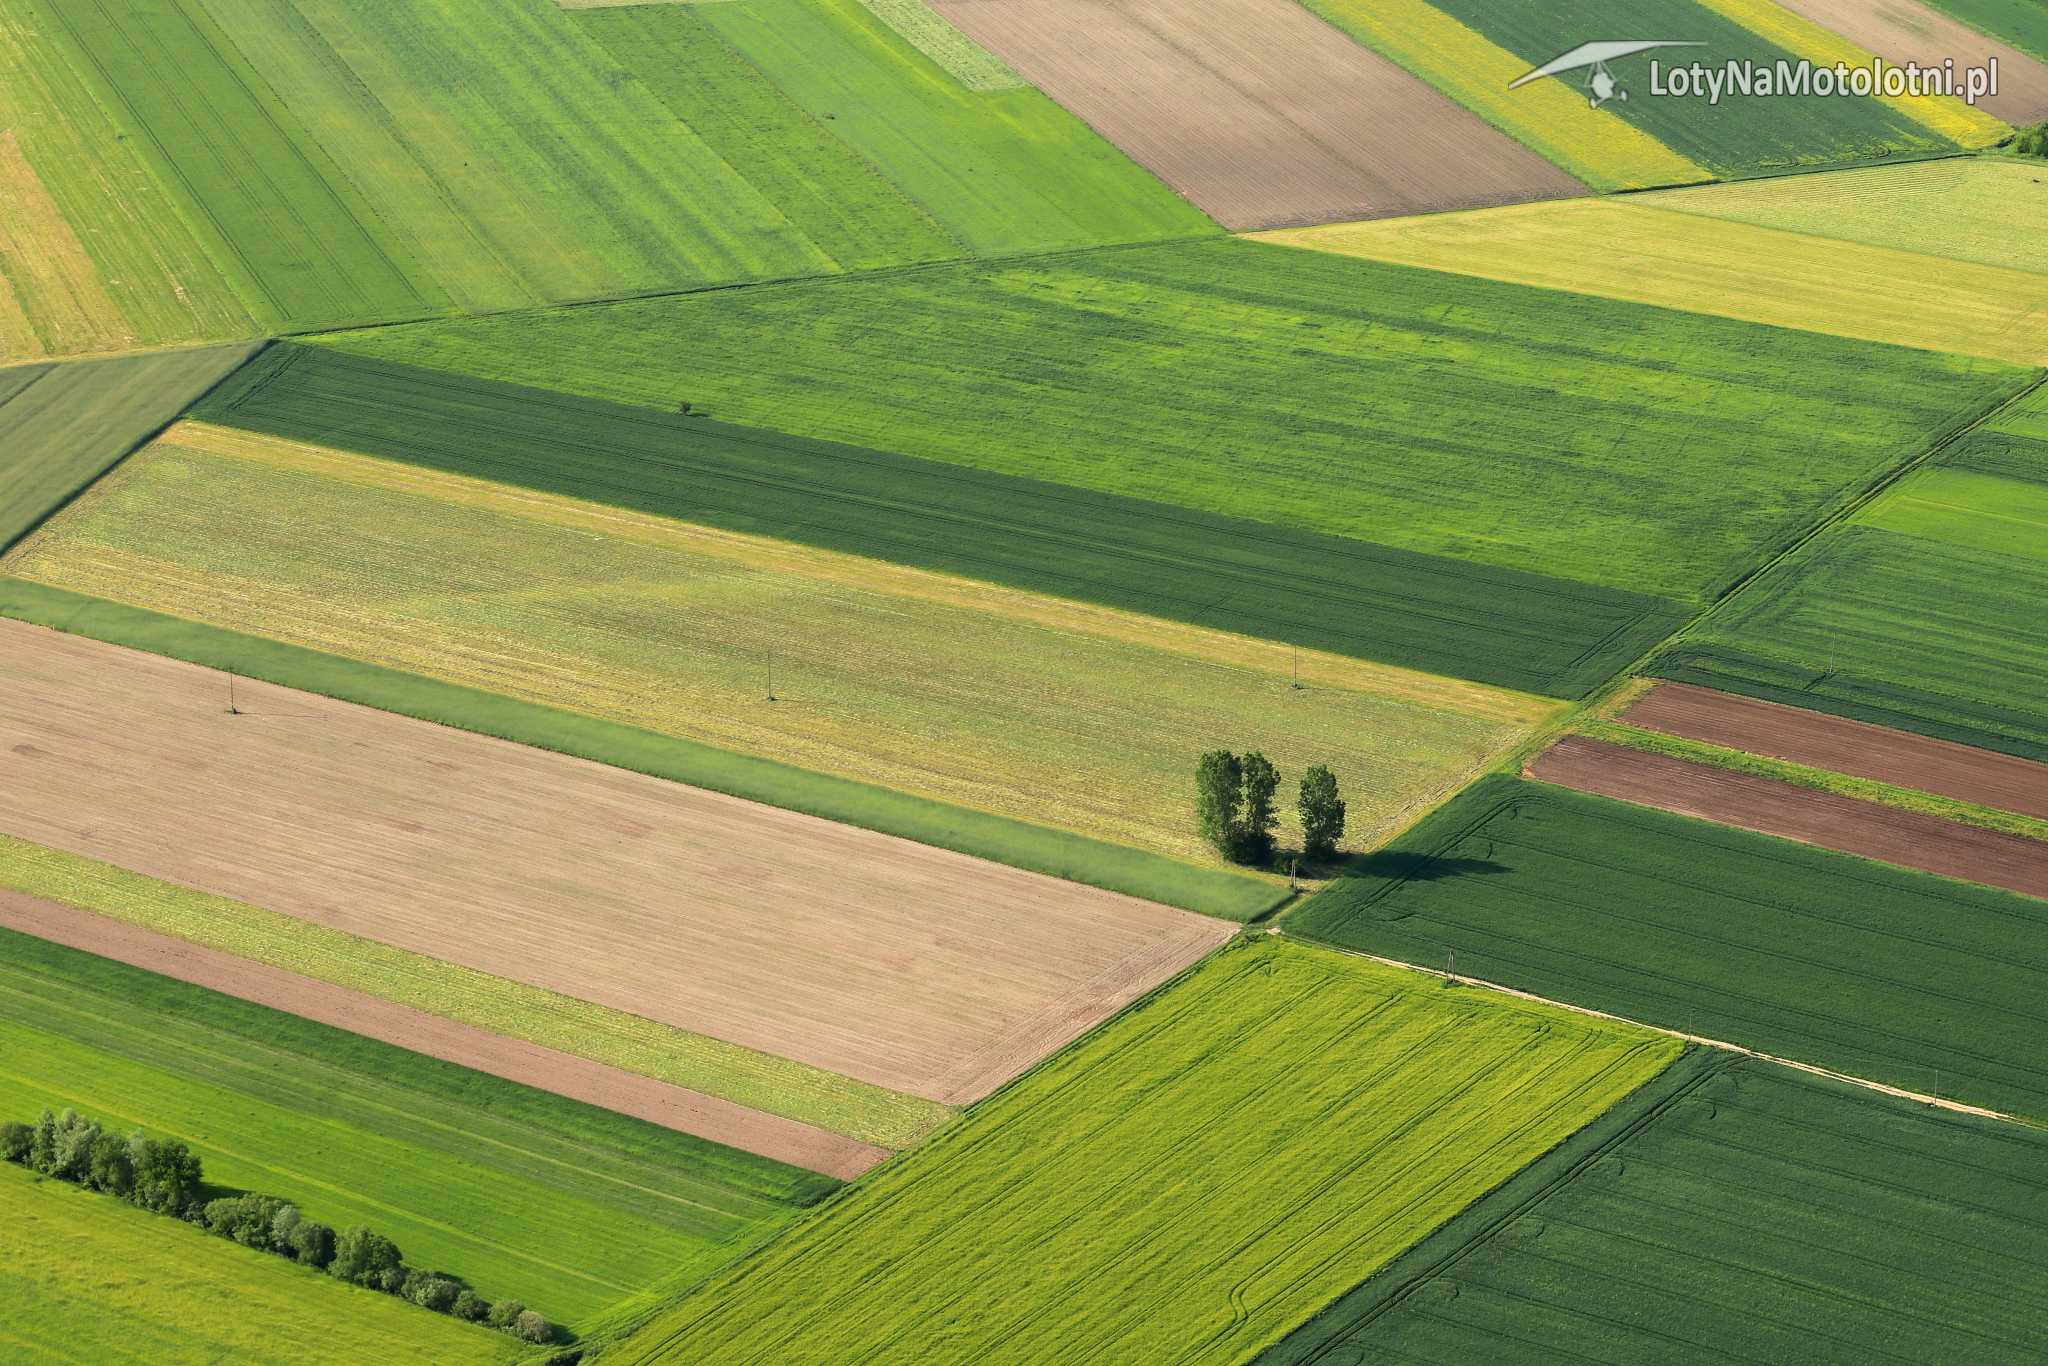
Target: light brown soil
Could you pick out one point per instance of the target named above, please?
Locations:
(672, 1107)
(1902, 31)
(916, 969)
(1258, 111)
(1839, 745)
(1905, 838)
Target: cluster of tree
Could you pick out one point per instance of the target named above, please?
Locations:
(163, 1175)
(2033, 142)
(1236, 810)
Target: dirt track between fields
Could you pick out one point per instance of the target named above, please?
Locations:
(1905, 838)
(1258, 111)
(672, 1107)
(911, 967)
(1902, 31)
(1839, 745)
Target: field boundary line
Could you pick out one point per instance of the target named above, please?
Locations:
(1883, 1088)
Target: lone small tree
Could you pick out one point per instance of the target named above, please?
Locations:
(1261, 813)
(1219, 798)
(1322, 812)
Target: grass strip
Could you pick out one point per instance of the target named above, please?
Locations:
(1002, 840)
(514, 1009)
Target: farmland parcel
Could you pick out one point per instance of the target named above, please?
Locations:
(1817, 957)
(905, 966)
(115, 1283)
(1922, 613)
(1748, 1212)
(1908, 32)
(1186, 1185)
(1028, 706)
(572, 1209)
(1256, 110)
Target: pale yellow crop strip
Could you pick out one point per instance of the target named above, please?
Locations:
(1942, 115)
(514, 1009)
(1553, 119)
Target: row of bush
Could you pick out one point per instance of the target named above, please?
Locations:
(164, 1176)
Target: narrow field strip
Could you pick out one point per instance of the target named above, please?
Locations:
(1908, 980)
(1842, 745)
(1751, 1214)
(1638, 251)
(1905, 839)
(842, 949)
(1204, 1189)
(469, 999)
(1033, 707)
(521, 1191)
(672, 1107)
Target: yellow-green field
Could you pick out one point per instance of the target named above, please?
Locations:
(1082, 718)
(1632, 250)
(514, 1009)
(1979, 209)
(88, 1278)
(1549, 117)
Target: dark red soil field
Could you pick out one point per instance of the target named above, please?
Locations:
(1843, 746)
(1904, 838)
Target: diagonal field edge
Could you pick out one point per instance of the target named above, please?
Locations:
(1508, 628)
(976, 833)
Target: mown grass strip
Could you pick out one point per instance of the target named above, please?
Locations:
(1904, 978)
(110, 1282)
(1186, 1185)
(522, 1191)
(1515, 629)
(502, 1006)
(969, 832)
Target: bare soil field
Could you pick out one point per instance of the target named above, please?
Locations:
(1902, 31)
(1840, 745)
(914, 968)
(672, 1107)
(1905, 838)
(1258, 111)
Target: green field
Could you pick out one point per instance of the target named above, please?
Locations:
(572, 1209)
(2023, 23)
(1519, 630)
(1973, 209)
(1005, 702)
(62, 426)
(1739, 136)
(1748, 1213)
(1904, 978)
(1586, 439)
(88, 1278)
(497, 1004)
(1923, 613)
(1188, 1184)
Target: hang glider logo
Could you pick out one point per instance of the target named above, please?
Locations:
(1592, 58)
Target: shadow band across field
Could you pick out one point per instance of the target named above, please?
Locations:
(1504, 627)
(997, 838)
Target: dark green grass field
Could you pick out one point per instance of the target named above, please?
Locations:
(1900, 977)
(1740, 136)
(575, 1210)
(1609, 443)
(2023, 23)
(1520, 630)
(1731, 1210)
(63, 425)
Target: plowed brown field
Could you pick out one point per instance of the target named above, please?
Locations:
(1840, 745)
(672, 1107)
(1258, 111)
(1905, 838)
(914, 968)
(1902, 31)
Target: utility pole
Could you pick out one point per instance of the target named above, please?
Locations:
(771, 675)
(1295, 667)
(233, 710)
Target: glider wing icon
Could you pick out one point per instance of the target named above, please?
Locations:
(1593, 54)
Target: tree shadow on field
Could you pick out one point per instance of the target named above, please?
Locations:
(1397, 865)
